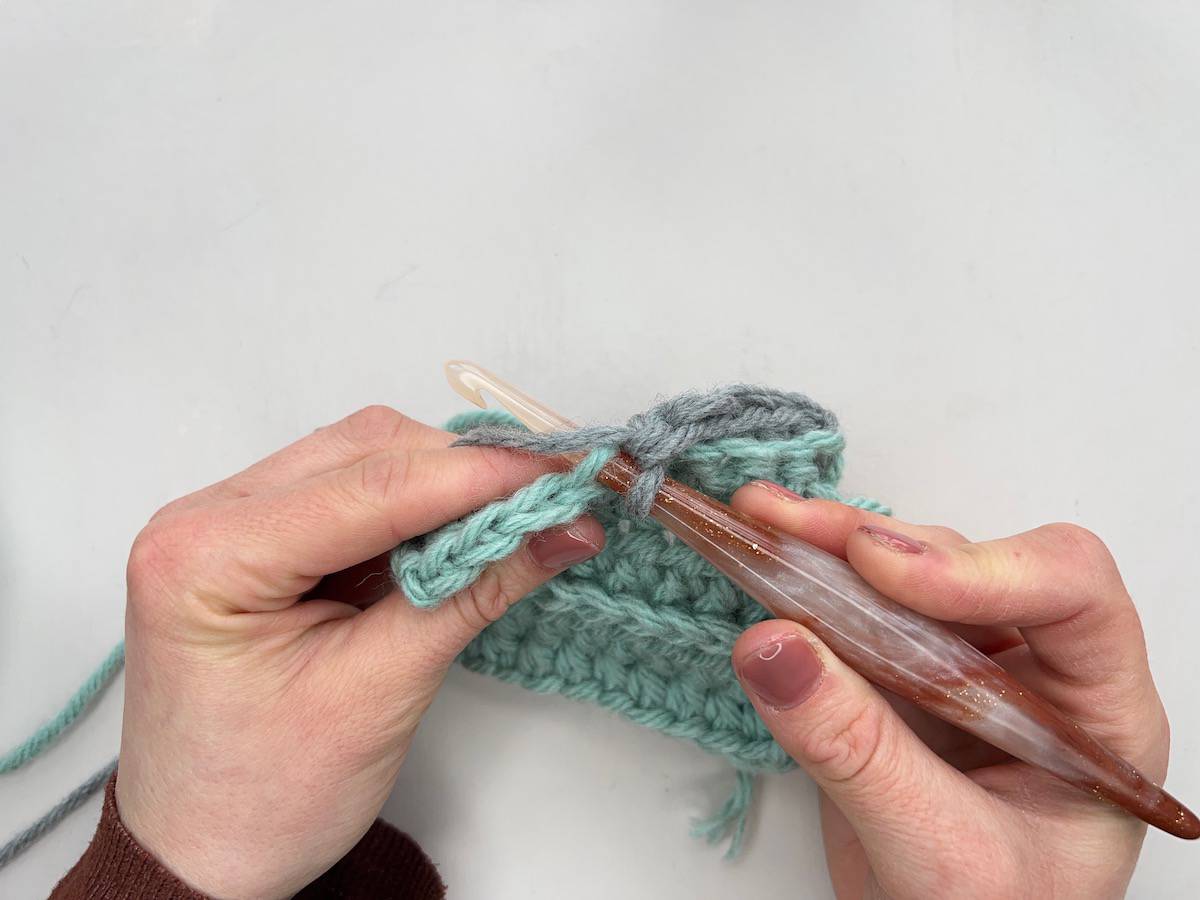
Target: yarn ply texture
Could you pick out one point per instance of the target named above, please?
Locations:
(20, 842)
(33, 746)
(645, 628)
(37, 743)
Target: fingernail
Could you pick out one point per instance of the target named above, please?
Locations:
(778, 491)
(558, 548)
(893, 540)
(783, 674)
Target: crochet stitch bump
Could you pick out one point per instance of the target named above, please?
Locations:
(645, 628)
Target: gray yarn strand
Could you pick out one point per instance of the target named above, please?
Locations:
(62, 809)
(665, 431)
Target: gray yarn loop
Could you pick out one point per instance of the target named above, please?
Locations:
(660, 435)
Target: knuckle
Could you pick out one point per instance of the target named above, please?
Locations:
(374, 424)
(980, 586)
(167, 509)
(846, 749)
(1088, 557)
(944, 535)
(383, 477)
(486, 600)
(1082, 544)
(156, 553)
(487, 467)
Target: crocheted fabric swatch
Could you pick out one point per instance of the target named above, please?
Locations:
(646, 627)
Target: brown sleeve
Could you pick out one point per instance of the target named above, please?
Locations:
(384, 864)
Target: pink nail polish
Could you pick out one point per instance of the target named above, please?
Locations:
(893, 540)
(778, 491)
(558, 548)
(784, 674)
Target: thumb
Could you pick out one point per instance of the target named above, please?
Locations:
(542, 556)
(902, 800)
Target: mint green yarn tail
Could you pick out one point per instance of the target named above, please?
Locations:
(40, 740)
(730, 819)
(87, 693)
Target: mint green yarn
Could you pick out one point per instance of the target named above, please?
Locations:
(646, 627)
(734, 811)
(428, 573)
(41, 739)
(37, 743)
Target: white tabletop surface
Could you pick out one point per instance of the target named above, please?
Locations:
(970, 229)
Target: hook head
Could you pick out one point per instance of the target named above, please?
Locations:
(467, 379)
(470, 381)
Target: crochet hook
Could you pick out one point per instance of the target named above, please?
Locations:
(911, 655)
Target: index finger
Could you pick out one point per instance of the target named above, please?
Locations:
(370, 430)
(827, 524)
(287, 539)
(1058, 585)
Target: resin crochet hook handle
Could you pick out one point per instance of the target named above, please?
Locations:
(911, 655)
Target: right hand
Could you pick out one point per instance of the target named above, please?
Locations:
(912, 807)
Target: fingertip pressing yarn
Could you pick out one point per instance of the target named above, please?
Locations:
(645, 628)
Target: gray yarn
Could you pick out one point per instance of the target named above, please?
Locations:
(61, 810)
(658, 436)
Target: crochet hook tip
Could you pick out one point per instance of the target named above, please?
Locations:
(470, 381)
(462, 377)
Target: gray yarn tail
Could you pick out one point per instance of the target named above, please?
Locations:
(21, 842)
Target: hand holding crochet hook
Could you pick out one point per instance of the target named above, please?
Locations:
(276, 678)
(1041, 615)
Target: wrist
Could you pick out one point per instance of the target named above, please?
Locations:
(205, 851)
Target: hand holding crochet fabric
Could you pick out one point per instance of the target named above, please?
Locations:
(262, 734)
(913, 808)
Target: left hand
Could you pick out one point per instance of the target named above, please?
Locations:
(268, 708)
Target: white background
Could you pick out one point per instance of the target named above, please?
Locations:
(968, 228)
